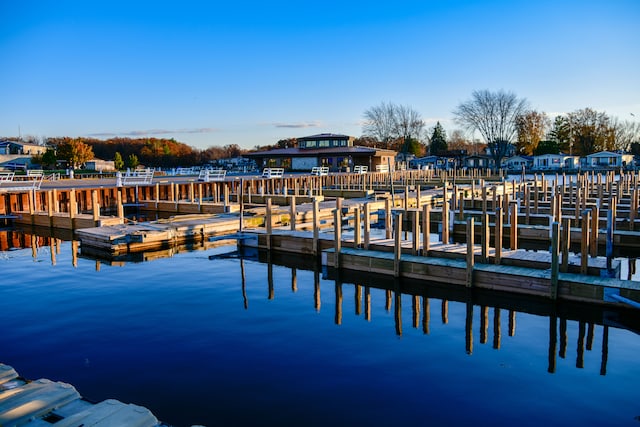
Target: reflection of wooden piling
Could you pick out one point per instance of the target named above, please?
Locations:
(553, 339)
(580, 345)
(563, 338)
(415, 308)
(512, 323)
(484, 324)
(605, 350)
(338, 314)
(590, 333)
(497, 328)
(317, 302)
(367, 303)
(398, 313)
(468, 328)
(445, 311)
(425, 315)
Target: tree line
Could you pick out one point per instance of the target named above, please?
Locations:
(502, 119)
(129, 153)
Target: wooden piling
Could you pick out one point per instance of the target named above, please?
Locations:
(445, 217)
(268, 223)
(555, 252)
(498, 235)
(426, 229)
(470, 251)
(397, 247)
(584, 241)
(513, 226)
(367, 225)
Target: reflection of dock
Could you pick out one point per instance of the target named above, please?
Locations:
(44, 402)
(425, 300)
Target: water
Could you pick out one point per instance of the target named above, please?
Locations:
(188, 338)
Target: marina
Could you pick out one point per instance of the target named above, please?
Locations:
(413, 238)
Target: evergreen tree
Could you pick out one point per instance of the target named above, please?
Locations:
(132, 161)
(438, 140)
(117, 161)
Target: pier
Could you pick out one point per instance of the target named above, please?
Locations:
(548, 236)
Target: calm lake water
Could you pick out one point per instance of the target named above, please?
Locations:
(214, 340)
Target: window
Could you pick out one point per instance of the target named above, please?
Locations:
(323, 143)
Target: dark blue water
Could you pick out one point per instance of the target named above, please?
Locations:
(182, 337)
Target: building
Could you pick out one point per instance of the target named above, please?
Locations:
(100, 165)
(334, 151)
(555, 162)
(478, 161)
(607, 160)
(516, 163)
(21, 148)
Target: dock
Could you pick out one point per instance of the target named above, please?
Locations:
(44, 402)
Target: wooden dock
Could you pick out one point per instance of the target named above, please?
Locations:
(44, 402)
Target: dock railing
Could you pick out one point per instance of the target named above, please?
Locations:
(208, 175)
(320, 171)
(141, 177)
(25, 185)
(272, 172)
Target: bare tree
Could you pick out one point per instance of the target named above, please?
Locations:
(380, 122)
(625, 133)
(389, 121)
(493, 114)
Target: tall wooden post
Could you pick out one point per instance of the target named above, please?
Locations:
(498, 236)
(470, 251)
(316, 225)
(357, 228)
(95, 206)
(367, 225)
(415, 231)
(387, 219)
(426, 228)
(292, 206)
(485, 236)
(513, 237)
(445, 217)
(119, 207)
(397, 247)
(555, 251)
(584, 244)
(337, 236)
(268, 223)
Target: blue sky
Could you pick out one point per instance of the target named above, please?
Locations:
(250, 73)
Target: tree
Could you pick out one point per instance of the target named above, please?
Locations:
(74, 151)
(590, 131)
(388, 122)
(547, 147)
(493, 114)
(531, 127)
(132, 161)
(561, 133)
(49, 158)
(118, 163)
(625, 133)
(438, 140)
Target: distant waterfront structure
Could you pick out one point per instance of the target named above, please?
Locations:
(334, 151)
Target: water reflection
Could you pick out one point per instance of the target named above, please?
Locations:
(590, 319)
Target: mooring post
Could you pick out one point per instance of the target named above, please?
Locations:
(119, 206)
(397, 247)
(513, 237)
(292, 205)
(387, 219)
(584, 243)
(555, 252)
(485, 236)
(357, 228)
(445, 216)
(593, 235)
(610, 228)
(268, 222)
(470, 251)
(565, 243)
(367, 225)
(337, 236)
(426, 228)
(415, 232)
(498, 235)
(95, 207)
(316, 225)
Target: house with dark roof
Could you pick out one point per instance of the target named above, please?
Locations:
(334, 151)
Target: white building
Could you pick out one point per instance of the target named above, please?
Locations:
(607, 159)
(555, 162)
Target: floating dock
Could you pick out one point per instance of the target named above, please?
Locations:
(44, 402)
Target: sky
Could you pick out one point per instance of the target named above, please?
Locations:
(214, 73)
